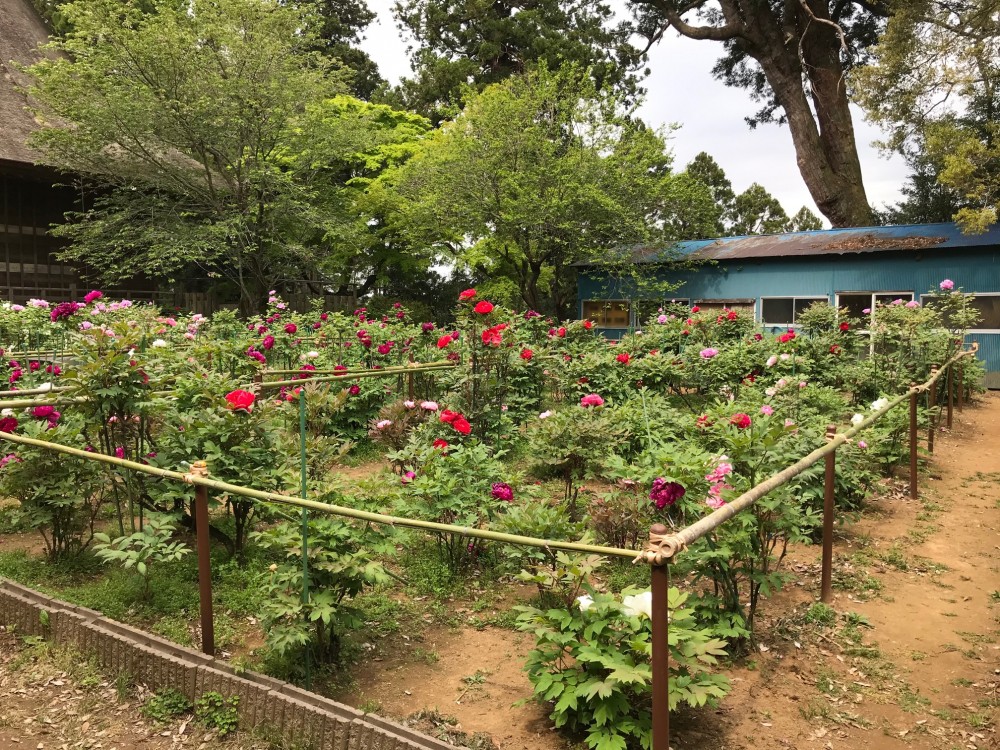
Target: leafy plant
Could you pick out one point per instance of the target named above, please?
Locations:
(218, 713)
(340, 568)
(166, 705)
(142, 550)
(591, 663)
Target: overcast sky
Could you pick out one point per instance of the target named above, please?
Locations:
(682, 90)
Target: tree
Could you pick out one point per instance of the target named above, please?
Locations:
(754, 211)
(793, 56)
(338, 30)
(538, 172)
(934, 85)
(481, 42)
(181, 116)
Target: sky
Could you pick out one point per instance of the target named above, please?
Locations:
(681, 90)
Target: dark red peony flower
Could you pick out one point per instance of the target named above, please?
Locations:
(291, 328)
(527, 354)
(354, 390)
(624, 358)
(8, 424)
(741, 420)
(845, 326)
(665, 493)
(240, 400)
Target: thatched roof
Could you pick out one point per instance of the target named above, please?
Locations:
(21, 32)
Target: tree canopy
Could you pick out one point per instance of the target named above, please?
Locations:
(192, 122)
(793, 57)
(934, 85)
(458, 43)
(538, 172)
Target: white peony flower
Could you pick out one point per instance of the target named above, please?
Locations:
(585, 602)
(880, 404)
(857, 419)
(545, 415)
(638, 604)
(7, 413)
(312, 354)
(159, 344)
(45, 387)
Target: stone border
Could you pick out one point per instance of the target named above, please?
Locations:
(298, 716)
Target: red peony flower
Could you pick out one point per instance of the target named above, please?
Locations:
(834, 349)
(444, 341)
(741, 420)
(8, 424)
(483, 307)
(240, 400)
(440, 443)
(461, 424)
(845, 326)
(787, 336)
(624, 358)
(731, 315)
(291, 328)
(703, 422)
(588, 324)
(448, 416)
(492, 336)
(527, 354)
(43, 412)
(561, 332)
(466, 295)
(695, 309)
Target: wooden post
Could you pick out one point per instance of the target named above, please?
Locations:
(826, 586)
(410, 384)
(659, 579)
(932, 403)
(913, 443)
(200, 468)
(951, 395)
(961, 387)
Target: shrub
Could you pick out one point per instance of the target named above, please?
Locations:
(591, 662)
(142, 550)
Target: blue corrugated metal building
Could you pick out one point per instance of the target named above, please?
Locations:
(778, 276)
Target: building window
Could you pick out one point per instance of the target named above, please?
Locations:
(785, 311)
(647, 309)
(986, 304)
(744, 305)
(857, 302)
(607, 313)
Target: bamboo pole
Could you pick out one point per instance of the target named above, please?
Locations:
(826, 585)
(336, 510)
(396, 370)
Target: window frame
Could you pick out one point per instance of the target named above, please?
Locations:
(608, 302)
(793, 298)
(871, 297)
(637, 305)
(970, 294)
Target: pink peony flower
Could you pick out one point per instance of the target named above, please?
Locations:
(591, 399)
(429, 405)
(947, 285)
(767, 410)
(383, 423)
(715, 502)
(708, 353)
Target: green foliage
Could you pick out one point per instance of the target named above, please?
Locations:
(142, 550)
(58, 497)
(540, 171)
(340, 568)
(461, 47)
(455, 486)
(562, 583)
(540, 520)
(218, 713)
(166, 705)
(591, 663)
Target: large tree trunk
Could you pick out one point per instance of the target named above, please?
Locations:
(798, 49)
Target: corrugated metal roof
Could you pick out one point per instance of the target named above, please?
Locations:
(825, 242)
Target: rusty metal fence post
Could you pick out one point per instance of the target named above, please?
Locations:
(659, 583)
(961, 387)
(951, 395)
(932, 404)
(200, 468)
(826, 585)
(913, 441)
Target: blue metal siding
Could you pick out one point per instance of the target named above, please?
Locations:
(972, 269)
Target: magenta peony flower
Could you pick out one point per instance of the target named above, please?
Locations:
(665, 493)
(354, 390)
(291, 328)
(591, 399)
(91, 296)
(502, 491)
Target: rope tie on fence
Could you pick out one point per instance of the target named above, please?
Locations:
(198, 469)
(660, 549)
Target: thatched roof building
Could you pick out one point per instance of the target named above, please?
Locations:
(21, 33)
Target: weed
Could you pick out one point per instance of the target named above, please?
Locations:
(124, 686)
(428, 657)
(370, 706)
(166, 705)
(856, 619)
(918, 655)
(894, 557)
(477, 678)
(978, 720)
(910, 700)
(961, 682)
(821, 614)
(218, 713)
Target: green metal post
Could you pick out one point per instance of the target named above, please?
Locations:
(305, 515)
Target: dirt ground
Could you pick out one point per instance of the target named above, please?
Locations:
(912, 660)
